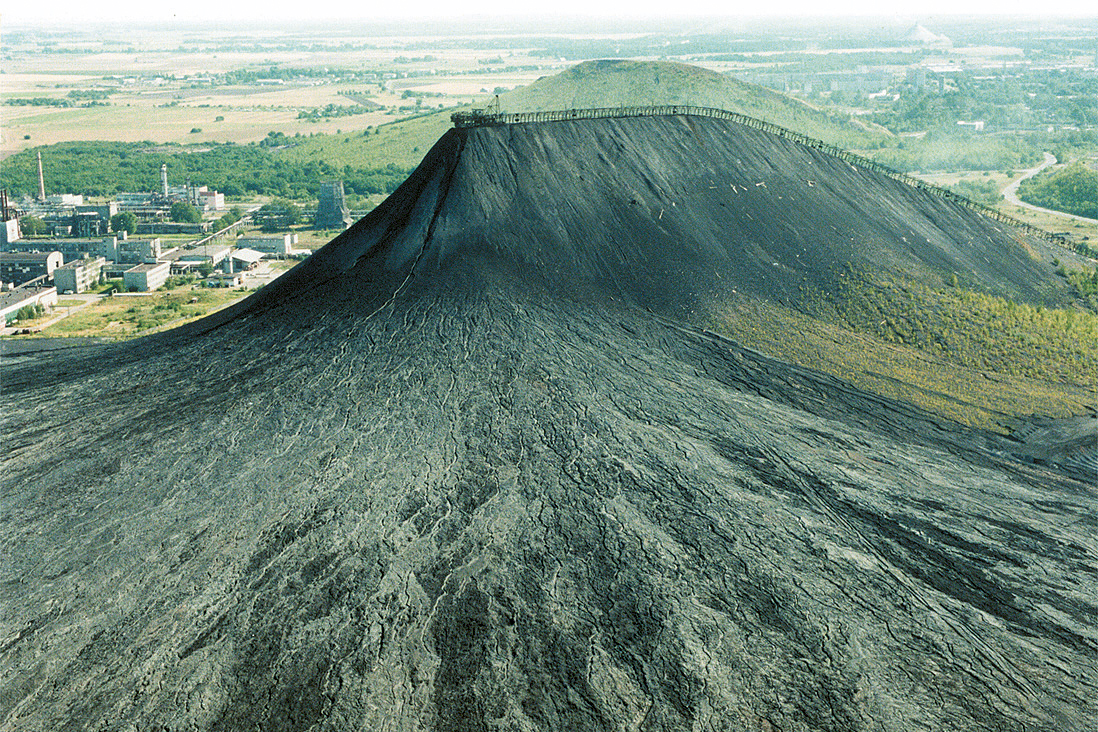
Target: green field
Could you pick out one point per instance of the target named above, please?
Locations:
(402, 144)
(239, 115)
(122, 317)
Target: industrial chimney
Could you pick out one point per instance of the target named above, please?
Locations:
(164, 179)
(41, 180)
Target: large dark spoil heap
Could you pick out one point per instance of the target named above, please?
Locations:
(470, 468)
(665, 212)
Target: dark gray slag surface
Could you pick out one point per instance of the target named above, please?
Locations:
(471, 467)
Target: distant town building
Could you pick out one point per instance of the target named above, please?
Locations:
(79, 275)
(146, 277)
(20, 267)
(331, 210)
(214, 254)
(279, 245)
(916, 76)
(864, 80)
(38, 292)
(976, 125)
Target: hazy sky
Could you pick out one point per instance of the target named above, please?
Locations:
(25, 11)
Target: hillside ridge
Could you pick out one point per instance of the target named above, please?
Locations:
(487, 118)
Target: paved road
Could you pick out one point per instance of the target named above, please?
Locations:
(1010, 193)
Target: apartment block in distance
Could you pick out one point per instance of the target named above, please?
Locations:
(79, 275)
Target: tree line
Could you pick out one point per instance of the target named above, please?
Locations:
(107, 168)
(1073, 189)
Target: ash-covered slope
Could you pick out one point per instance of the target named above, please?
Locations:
(469, 467)
(666, 212)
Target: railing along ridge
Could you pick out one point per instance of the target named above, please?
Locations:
(480, 118)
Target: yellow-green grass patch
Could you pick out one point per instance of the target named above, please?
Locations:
(123, 317)
(975, 397)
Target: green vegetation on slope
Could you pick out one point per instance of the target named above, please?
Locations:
(973, 357)
(1073, 189)
(616, 83)
(1086, 285)
(401, 144)
(982, 191)
(958, 151)
(943, 373)
(968, 328)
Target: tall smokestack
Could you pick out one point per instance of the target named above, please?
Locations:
(41, 180)
(164, 179)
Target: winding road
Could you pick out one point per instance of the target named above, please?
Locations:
(1010, 193)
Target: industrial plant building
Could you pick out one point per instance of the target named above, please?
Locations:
(331, 210)
(67, 214)
(131, 251)
(16, 268)
(9, 232)
(79, 254)
(185, 260)
(29, 295)
(279, 245)
(146, 277)
(225, 279)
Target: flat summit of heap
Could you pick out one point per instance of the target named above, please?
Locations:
(474, 466)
